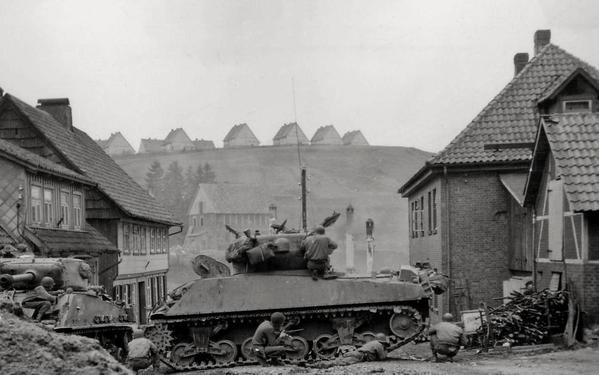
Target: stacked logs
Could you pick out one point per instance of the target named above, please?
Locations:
(529, 318)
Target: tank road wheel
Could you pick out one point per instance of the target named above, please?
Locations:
(405, 322)
(325, 346)
(160, 335)
(246, 350)
(223, 351)
(297, 348)
(183, 354)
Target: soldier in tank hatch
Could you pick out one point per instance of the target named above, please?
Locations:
(266, 342)
(317, 248)
(446, 338)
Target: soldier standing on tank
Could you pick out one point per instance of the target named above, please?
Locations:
(40, 298)
(317, 248)
(266, 343)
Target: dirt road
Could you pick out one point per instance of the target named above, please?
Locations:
(574, 362)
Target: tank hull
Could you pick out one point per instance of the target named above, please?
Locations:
(323, 315)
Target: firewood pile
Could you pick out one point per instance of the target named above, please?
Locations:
(529, 318)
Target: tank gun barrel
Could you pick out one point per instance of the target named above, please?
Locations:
(6, 280)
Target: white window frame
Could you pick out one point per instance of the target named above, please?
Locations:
(566, 102)
(65, 209)
(36, 204)
(48, 206)
(77, 210)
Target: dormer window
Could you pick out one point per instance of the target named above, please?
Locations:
(577, 106)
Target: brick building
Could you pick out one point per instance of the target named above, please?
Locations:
(240, 136)
(290, 134)
(216, 205)
(466, 217)
(111, 203)
(116, 144)
(326, 135)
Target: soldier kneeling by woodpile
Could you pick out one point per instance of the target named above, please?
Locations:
(446, 338)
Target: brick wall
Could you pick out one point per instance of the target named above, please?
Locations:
(583, 279)
(478, 234)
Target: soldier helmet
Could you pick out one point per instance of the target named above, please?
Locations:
(381, 337)
(138, 333)
(47, 282)
(447, 317)
(319, 229)
(277, 318)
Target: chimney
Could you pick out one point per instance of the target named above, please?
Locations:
(542, 38)
(520, 61)
(59, 109)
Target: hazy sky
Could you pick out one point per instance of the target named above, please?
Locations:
(410, 73)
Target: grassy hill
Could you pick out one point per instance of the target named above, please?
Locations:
(367, 177)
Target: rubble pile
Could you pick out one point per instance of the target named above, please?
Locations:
(530, 318)
(30, 348)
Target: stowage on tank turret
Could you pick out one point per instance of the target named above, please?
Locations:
(211, 322)
(79, 308)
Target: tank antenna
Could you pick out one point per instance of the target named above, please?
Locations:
(302, 169)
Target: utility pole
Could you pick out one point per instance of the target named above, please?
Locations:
(304, 209)
(371, 245)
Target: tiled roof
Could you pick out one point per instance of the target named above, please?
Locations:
(234, 199)
(512, 116)
(36, 162)
(90, 160)
(286, 129)
(59, 242)
(232, 134)
(174, 132)
(352, 136)
(323, 131)
(574, 142)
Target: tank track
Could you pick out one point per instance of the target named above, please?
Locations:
(324, 314)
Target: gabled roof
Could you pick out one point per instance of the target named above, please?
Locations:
(352, 136)
(573, 139)
(509, 118)
(36, 163)
(290, 130)
(323, 131)
(236, 130)
(226, 198)
(84, 156)
(179, 132)
(554, 89)
(104, 144)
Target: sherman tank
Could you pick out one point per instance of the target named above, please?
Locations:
(212, 320)
(80, 309)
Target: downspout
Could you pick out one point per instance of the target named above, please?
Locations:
(448, 238)
(534, 252)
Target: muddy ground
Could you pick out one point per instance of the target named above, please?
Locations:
(31, 348)
(413, 360)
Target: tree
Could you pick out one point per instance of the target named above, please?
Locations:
(208, 176)
(154, 178)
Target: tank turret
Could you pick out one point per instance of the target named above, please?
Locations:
(27, 272)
